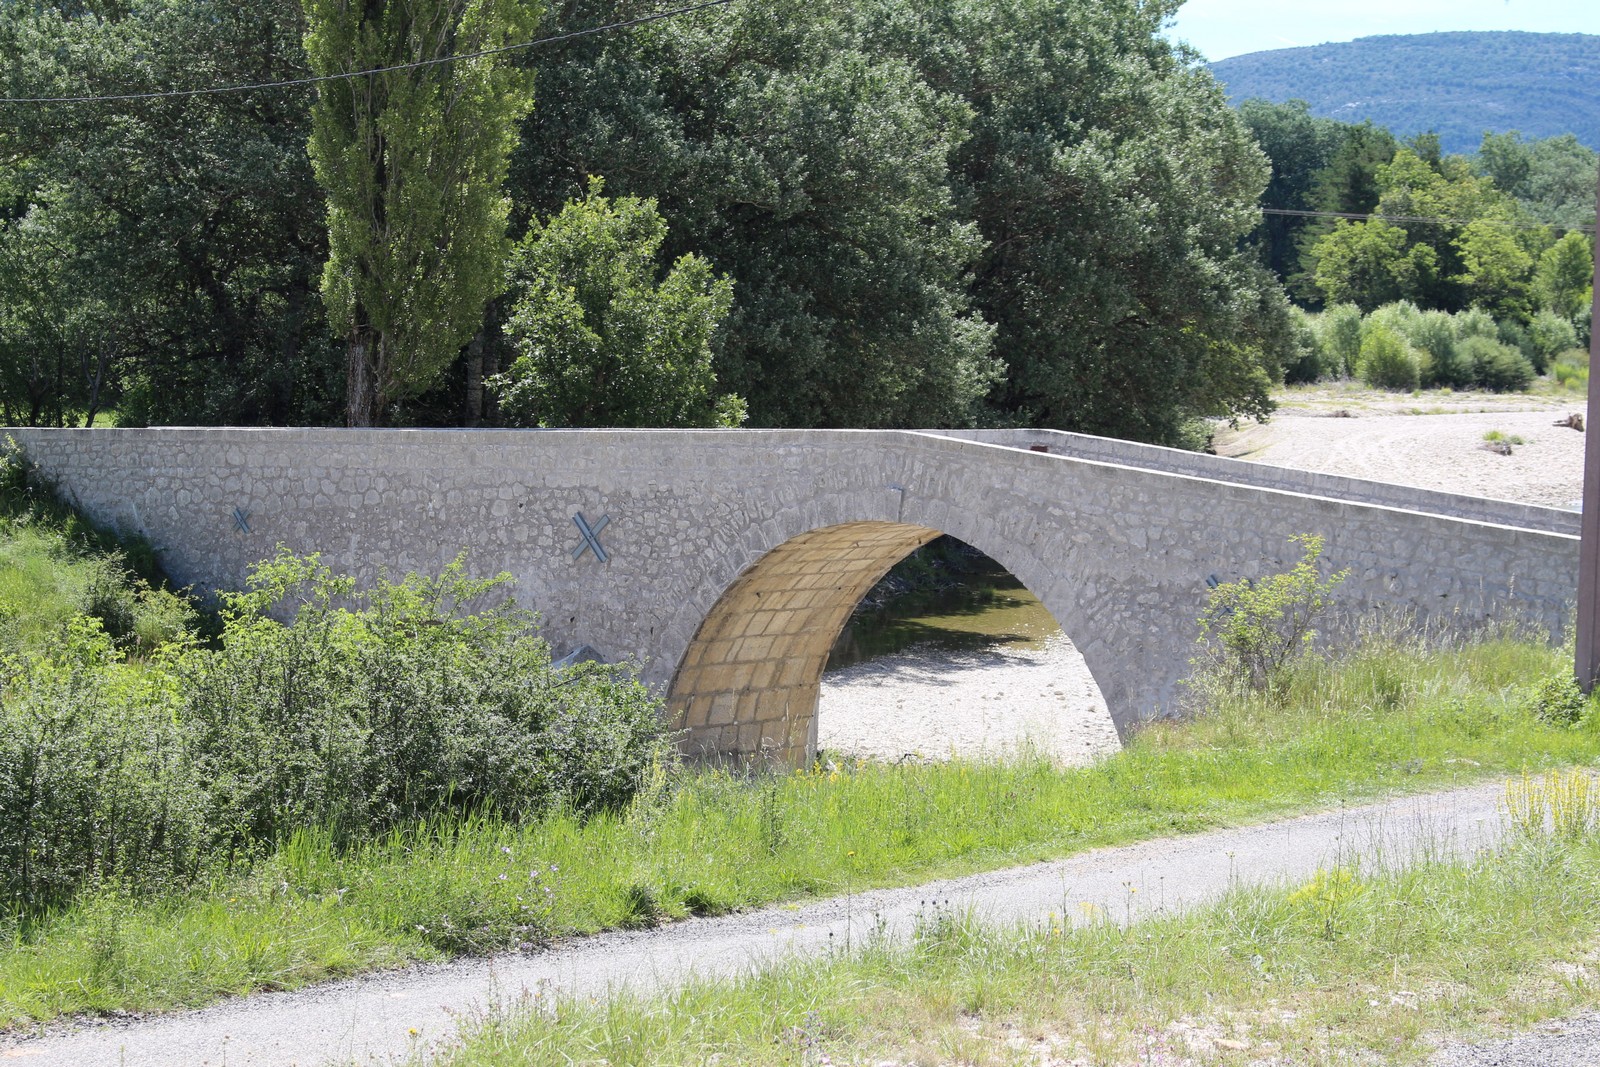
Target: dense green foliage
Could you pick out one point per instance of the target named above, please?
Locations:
(161, 256)
(412, 161)
(1399, 346)
(1025, 212)
(363, 712)
(601, 342)
(1498, 213)
(1457, 85)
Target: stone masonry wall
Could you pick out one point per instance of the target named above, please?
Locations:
(1119, 553)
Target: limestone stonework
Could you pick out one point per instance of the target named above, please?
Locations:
(733, 558)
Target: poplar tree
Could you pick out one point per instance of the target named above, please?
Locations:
(413, 161)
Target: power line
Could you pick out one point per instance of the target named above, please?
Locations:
(320, 78)
(1358, 217)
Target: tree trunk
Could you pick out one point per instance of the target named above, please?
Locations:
(360, 392)
(473, 413)
(492, 340)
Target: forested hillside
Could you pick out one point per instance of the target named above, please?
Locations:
(1459, 85)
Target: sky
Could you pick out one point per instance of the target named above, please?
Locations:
(1223, 28)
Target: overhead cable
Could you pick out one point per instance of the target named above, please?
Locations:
(1359, 217)
(318, 79)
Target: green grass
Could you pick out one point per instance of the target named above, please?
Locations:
(1393, 718)
(54, 565)
(1497, 436)
(1350, 967)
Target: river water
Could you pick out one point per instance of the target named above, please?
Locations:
(981, 671)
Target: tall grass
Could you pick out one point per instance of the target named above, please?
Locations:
(1392, 716)
(1350, 966)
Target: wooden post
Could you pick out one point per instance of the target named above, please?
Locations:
(1588, 635)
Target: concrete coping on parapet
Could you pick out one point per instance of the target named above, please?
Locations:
(1282, 479)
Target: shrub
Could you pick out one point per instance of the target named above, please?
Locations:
(1386, 361)
(364, 711)
(1557, 700)
(95, 778)
(1496, 367)
(1255, 629)
(1515, 335)
(1549, 335)
(1571, 368)
(1304, 360)
(1339, 330)
(402, 705)
(1475, 322)
(1399, 318)
(1434, 333)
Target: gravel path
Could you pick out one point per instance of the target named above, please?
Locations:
(381, 1018)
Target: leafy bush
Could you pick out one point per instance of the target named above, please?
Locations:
(1549, 335)
(1399, 318)
(1475, 322)
(1386, 361)
(1254, 629)
(1495, 366)
(1571, 368)
(1303, 362)
(1340, 331)
(95, 777)
(1434, 333)
(1557, 700)
(365, 711)
(1514, 334)
(358, 718)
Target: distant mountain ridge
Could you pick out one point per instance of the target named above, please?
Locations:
(1458, 84)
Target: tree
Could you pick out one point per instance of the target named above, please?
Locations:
(808, 165)
(1112, 186)
(1495, 268)
(938, 213)
(1565, 276)
(1367, 264)
(601, 342)
(1348, 184)
(412, 161)
(1299, 146)
(1553, 179)
(180, 238)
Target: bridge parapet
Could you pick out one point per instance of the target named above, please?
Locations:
(686, 534)
(1286, 479)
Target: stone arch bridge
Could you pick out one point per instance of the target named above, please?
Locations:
(727, 562)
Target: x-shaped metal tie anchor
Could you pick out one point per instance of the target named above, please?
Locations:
(591, 537)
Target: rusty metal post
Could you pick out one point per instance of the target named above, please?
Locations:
(1588, 622)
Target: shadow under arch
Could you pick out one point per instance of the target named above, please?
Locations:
(747, 687)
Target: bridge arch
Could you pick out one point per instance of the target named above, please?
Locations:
(746, 688)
